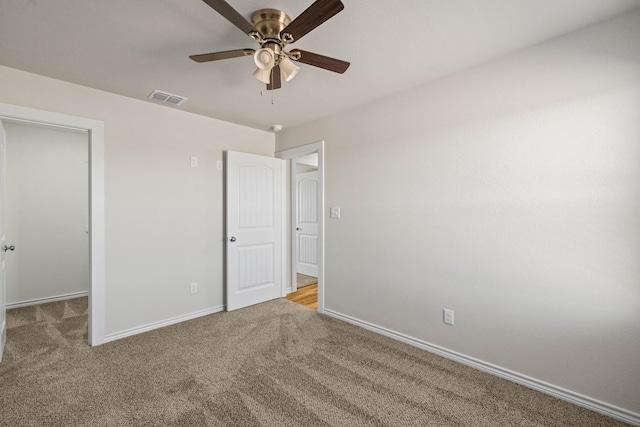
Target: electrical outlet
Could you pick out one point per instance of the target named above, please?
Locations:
(194, 162)
(448, 316)
(219, 165)
(194, 288)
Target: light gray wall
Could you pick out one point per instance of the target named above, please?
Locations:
(46, 212)
(163, 219)
(509, 192)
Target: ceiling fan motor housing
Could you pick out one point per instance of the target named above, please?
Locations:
(270, 22)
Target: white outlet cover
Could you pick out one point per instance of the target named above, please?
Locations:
(448, 316)
(194, 162)
(219, 165)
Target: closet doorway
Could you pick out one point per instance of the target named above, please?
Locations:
(46, 214)
(94, 131)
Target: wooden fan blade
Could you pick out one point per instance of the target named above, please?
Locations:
(232, 15)
(275, 79)
(216, 56)
(331, 64)
(319, 12)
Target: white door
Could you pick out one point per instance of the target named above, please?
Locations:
(3, 316)
(253, 229)
(307, 223)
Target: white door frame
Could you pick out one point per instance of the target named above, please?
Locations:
(3, 293)
(316, 147)
(95, 130)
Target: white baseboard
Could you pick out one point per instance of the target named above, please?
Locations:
(47, 300)
(532, 383)
(161, 324)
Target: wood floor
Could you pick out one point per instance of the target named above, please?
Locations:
(307, 296)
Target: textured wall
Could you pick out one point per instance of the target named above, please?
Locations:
(509, 192)
(163, 219)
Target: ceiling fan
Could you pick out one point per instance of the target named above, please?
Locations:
(274, 30)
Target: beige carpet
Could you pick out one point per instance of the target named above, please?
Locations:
(274, 364)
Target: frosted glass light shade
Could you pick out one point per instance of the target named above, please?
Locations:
(264, 58)
(288, 69)
(263, 75)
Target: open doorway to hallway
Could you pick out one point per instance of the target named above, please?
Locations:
(306, 224)
(304, 215)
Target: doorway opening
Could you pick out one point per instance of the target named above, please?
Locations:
(46, 214)
(305, 239)
(94, 131)
(46, 201)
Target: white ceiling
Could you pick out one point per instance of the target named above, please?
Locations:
(132, 47)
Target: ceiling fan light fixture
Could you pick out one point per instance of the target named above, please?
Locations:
(288, 69)
(264, 58)
(262, 75)
(274, 30)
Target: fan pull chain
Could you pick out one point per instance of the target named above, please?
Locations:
(272, 87)
(272, 90)
(272, 95)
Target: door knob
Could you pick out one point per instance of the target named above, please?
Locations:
(9, 248)
(297, 228)
(232, 239)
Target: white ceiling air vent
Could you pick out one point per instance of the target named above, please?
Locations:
(167, 98)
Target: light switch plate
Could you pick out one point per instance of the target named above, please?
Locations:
(334, 213)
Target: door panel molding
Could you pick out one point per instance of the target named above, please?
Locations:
(305, 249)
(253, 229)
